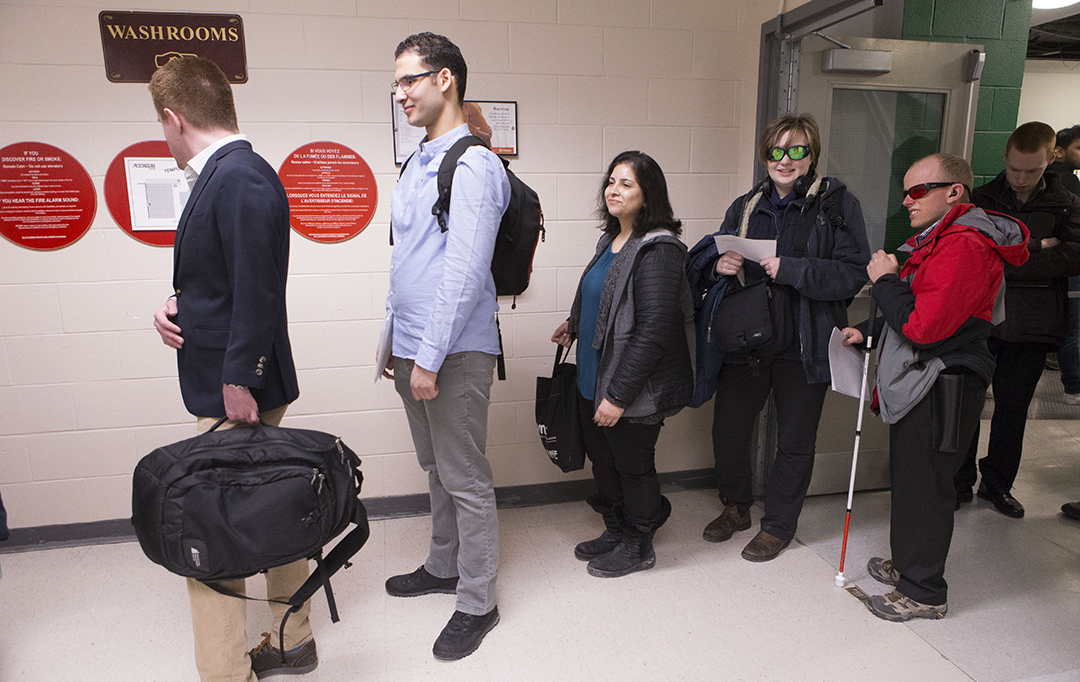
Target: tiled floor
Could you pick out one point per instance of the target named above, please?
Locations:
(106, 613)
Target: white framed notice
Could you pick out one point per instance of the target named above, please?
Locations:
(493, 122)
(157, 192)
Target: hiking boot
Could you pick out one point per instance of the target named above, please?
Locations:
(632, 554)
(897, 608)
(420, 582)
(764, 547)
(463, 634)
(266, 659)
(589, 550)
(730, 520)
(1002, 500)
(883, 571)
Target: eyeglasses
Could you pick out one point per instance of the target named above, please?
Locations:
(796, 153)
(406, 82)
(921, 190)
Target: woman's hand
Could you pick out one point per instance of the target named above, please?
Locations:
(771, 265)
(607, 414)
(729, 263)
(852, 336)
(562, 335)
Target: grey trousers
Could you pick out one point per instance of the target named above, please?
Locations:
(450, 436)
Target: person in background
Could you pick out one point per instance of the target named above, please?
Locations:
(830, 270)
(933, 365)
(1066, 162)
(1036, 296)
(228, 323)
(634, 320)
(1065, 166)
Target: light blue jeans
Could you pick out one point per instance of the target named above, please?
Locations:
(450, 436)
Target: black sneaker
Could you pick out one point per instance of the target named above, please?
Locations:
(420, 582)
(463, 634)
(266, 659)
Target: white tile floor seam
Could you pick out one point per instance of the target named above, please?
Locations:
(703, 613)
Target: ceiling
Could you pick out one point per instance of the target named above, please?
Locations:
(1055, 34)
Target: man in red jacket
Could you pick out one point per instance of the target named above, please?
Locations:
(933, 367)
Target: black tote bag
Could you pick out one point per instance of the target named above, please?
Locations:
(557, 415)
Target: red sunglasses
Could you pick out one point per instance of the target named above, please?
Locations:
(921, 190)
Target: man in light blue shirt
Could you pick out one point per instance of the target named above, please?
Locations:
(445, 342)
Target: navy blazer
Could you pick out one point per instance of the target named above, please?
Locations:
(230, 263)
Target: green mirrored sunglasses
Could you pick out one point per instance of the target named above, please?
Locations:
(796, 153)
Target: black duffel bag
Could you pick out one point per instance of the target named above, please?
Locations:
(229, 504)
(557, 415)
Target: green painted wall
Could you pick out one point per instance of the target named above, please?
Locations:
(1002, 26)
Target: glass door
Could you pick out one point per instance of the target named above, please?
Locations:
(873, 127)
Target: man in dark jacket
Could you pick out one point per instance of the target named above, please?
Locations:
(1036, 295)
(932, 369)
(1068, 356)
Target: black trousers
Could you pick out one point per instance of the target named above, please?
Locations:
(624, 466)
(923, 495)
(1019, 366)
(740, 395)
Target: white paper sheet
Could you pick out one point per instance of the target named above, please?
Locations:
(846, 366)
(386, 343)
(751, 249)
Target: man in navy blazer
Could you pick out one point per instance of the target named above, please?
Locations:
(227, 321)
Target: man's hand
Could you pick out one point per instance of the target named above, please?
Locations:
(1049, 242)
(852, 336)
(562, 335)
(388, 371)
(163, 323)
(240, 405)
(771, 265)
(882, 264)
(729, 263)
(423, 383)
(607, 414)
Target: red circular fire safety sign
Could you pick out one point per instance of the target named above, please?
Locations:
(145, 192)
(47, 199)
(332, 192)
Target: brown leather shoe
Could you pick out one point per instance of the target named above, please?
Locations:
(730, 520)
(764, 547)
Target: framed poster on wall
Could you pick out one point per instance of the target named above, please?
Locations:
(493, 122)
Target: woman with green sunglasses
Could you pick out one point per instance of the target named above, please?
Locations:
(820, 264)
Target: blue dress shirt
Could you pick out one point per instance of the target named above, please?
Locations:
(442, 295)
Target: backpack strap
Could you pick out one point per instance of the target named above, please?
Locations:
(400, 173)
(441, 208)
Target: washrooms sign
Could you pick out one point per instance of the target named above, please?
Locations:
(136, 44)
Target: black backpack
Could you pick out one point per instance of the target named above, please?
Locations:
(521, 228)
(228, 504)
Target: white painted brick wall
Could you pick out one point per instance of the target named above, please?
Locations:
(87, 388)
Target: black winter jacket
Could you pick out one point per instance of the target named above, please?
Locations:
(1036, 293)
(831, 273)
(645, 363)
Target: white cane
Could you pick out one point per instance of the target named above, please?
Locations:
(839, 580)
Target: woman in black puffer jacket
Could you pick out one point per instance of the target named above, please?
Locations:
(634, 316)
(820, 275)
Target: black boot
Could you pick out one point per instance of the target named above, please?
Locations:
(634, 553)
(609, 539)
(586, 551)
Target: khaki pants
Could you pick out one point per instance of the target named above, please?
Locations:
(219, 622)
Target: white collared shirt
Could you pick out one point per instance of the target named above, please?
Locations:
(198, 162)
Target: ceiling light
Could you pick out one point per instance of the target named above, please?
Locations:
(1052, 4)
